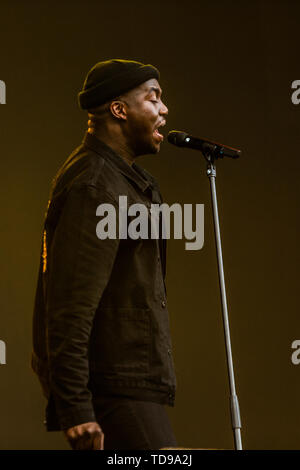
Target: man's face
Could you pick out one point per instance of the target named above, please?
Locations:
(145, 114)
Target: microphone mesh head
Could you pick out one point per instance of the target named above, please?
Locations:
(177, 137)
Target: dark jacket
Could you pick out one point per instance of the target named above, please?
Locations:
(100, 324)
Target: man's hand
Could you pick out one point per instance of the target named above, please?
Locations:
(86, 436)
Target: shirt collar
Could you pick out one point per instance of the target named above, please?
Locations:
(135, 173)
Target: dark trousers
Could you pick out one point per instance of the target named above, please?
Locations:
(132, 424)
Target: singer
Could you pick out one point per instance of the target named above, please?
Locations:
(101, 339)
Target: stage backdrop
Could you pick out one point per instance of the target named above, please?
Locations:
(227, 71)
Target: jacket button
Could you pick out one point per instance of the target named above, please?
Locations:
(169, 352)
(163, 303)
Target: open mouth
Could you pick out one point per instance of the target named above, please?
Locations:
(157, 134)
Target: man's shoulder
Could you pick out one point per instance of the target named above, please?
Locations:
(83, 168)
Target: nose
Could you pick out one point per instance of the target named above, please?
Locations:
(163, 109)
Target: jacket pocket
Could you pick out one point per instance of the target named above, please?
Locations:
(120, 341)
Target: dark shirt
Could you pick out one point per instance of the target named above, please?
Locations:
(100, 323)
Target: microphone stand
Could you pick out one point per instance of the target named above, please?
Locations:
(210, 156)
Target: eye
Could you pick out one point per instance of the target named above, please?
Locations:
(154, 101)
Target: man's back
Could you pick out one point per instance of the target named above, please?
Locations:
(100, 323)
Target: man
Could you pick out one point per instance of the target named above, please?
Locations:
(101, 339)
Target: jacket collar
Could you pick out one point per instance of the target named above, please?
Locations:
(135, 173)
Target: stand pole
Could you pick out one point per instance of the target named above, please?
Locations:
(234, 404)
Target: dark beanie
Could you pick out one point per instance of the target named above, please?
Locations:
(109, 79)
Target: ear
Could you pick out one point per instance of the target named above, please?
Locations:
(118, 110)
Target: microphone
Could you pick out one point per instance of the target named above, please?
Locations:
(182, 139)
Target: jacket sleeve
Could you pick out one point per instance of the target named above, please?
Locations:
(79, 268)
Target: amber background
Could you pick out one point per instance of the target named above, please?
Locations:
(226, 68)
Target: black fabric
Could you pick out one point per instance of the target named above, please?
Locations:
(133, 425)
(109, 79)
(101, 321)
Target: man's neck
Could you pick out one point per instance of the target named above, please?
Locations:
(115, 144)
